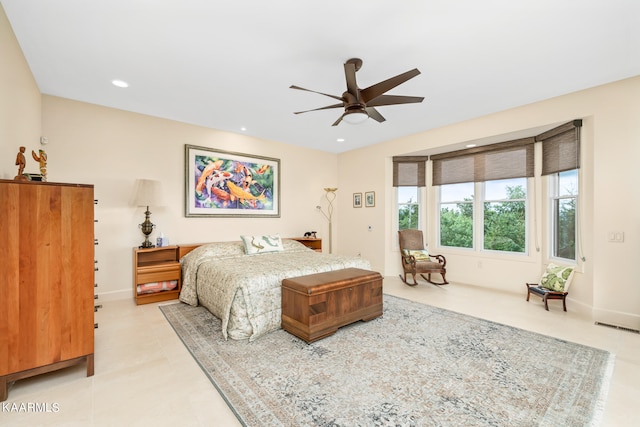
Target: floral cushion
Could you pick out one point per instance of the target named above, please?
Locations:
(262, 244)
(418, 254)
(557, 278)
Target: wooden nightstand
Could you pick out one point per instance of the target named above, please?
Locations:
(310, 242)
(156, 265)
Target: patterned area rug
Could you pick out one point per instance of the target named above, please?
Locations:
(416, 365)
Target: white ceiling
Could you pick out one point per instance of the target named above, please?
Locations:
(229, 64)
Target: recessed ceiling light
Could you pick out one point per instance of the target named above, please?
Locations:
(119, 83)
(243, 128)
(470, 145)
(340, 139)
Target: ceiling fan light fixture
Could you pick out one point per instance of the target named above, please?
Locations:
(355, 117)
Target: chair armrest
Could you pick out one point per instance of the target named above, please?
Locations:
(408, 259)
(441, 259)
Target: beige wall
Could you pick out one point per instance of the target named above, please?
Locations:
(19, 104)
(111, 149)
(610, 201)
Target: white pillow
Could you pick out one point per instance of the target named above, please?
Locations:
(262, 243)
(557, 278)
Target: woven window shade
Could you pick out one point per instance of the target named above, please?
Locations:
(561, 148)
(511, 159)
(409, 171)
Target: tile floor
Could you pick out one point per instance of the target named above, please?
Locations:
(145, 377)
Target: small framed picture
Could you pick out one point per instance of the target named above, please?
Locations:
(357, 200)
(370, 199)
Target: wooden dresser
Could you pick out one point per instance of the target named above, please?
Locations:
(47, 280)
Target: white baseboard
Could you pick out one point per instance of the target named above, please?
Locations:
(115, 295)
(579, 307)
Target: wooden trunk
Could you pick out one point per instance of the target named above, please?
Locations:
(316, 305)
(46, 280)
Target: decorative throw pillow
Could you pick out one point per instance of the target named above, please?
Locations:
(557, 278)
(419, 254)
(262, 244)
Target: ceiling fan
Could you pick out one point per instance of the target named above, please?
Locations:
(359, 104)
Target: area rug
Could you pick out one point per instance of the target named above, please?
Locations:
(417, 365)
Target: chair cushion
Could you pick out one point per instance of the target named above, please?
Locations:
(557, 278)
(418, 254)
(538, 290)
(428, 265)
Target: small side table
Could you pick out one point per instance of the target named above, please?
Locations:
(310, 242)
(156, 265)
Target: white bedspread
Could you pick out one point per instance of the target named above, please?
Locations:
(244, 290)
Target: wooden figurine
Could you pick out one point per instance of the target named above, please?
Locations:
(20, 162)
(42, 159)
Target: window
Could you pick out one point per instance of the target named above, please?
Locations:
(505, 215)
(564, 198)
(496, 208)
(483, 194)
(456, 215)
(408, 207)
(561, 161)
(408, 178)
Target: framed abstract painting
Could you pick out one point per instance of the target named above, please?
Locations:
(227, 184)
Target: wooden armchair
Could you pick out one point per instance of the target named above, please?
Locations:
(416, 260)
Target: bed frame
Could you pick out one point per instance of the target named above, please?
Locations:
(185, 249)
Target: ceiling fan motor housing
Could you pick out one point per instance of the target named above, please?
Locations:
(351, 101)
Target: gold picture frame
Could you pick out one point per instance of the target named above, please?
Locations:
(370, 199)
(357, 200)
(227, 184)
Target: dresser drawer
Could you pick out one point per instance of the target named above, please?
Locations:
(158, 273)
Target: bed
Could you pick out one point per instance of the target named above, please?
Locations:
(243, 290)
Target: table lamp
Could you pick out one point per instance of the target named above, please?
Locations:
(148, 193)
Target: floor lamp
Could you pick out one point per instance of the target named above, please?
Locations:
(330, 194)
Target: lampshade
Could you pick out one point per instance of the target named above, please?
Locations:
(355, 117)
(148, 192)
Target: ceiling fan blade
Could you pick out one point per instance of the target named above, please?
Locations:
(350, 75)
(378, 89)
(375, 114)
(309, 90)
(393, 100)
(337, 122)
(321, 108)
